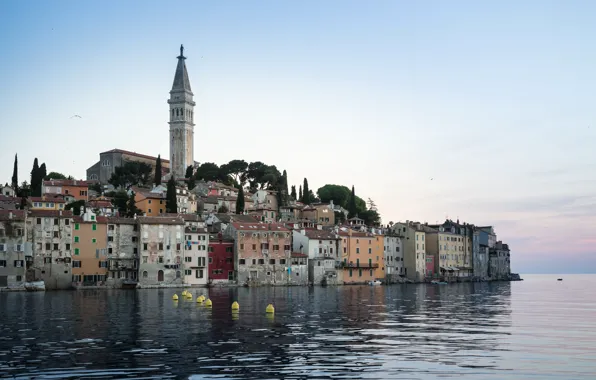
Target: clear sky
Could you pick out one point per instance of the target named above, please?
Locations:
(493, 100)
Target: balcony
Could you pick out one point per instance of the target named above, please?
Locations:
(361, 265)
(265, 251)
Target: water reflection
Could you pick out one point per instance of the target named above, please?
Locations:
(417, 331)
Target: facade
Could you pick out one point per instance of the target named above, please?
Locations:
(9, 203)
(15, 250)
(181, 120)
(394, 258)
(499, 264)
(47, 203)
(265, 199)
(323, 251)
(221, 259)
(480, 254)
(413, 238)
(52, 239)
(7, 191)
(108, 162)
(76, 188)
(123, 251)
(90, 250)
(362, 257)
(298, 269)
(262, 252)
(323, 271)
(150, 203)
(161, 251)
(195, 256)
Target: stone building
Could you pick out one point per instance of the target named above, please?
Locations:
(52, 239)
(484, 238)
(181, 120)
(394, 258)
(90, 250)
(161, 251)
(221, 259)
(323, 250)
(123, 251)
(108, 162)
(15, 250)
(195, 256)
(499, 263)
(298, 269)
(262, 252)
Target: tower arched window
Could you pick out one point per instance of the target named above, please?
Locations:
(176, 111)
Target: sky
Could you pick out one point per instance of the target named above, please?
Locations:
(477, 111)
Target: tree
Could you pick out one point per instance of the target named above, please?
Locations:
(189, 175)
(120, 200)
(36, 179)
(306, 199)
(55, 175)
(300, 193)
(240, 201)
(24, 191)
(131, 206)
(208, 171)
(370, 217)
(340, 217)
(171, 202)
(371, 205)
(96, 187)
(75, 207)
(340, 195)
(235, 169)
(131, 173)
(352, 209)
(15, 174)
(222, 209)
(293, 193)
(157, 179)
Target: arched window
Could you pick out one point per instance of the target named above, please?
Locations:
(145, 274)
(160, 276)
(176, 111)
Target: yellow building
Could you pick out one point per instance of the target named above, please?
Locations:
(150, 204)
(362, 257)
(447, 250)
(90, 257)
(47, 203)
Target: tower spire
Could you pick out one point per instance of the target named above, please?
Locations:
(181, 81)
(181, 56)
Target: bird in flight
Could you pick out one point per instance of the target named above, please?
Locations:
(76, 116)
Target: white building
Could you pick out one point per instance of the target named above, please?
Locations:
(394, 258)
(196, 270)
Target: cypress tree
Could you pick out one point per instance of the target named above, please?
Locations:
(131, 206)
(15, 174)
(157, 179)
(189, 175)
(293, 193)
(352, 210)
(171, 203)
(305, 193)
(240, 201)
(300, 199)
(35, 179)
(284, 198)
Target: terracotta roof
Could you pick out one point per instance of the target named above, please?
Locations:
(320, 234)
(191, 230)
(51, 213)
(100, 203)
(4, 198)
(99, 220)
(160, 220)
(127, 152)
(243, 218)
(66, 182)
(18, 215)
(243, 226)
(212, 200)
(186, 217)
(121, 220)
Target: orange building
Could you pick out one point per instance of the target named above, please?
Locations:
(90, 256)
(362, 256)
(151, 204)
(76, 188)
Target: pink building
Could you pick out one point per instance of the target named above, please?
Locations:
(430, 265)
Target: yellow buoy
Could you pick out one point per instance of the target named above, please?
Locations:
(235, 306)
(175, 297)
(270, 309)
(200, 299)
(208, 303)
(189, 296)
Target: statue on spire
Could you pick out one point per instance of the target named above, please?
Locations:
(181, 50)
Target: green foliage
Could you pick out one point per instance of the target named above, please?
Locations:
(352, 209)
(208, 171)
(305, 193)
(340, 195)
(15, 174)
(235, 169)
(189, 175)
(120, 201)
(340, 217)
(131, 206)
(55, 175)
(37, 175)
(370, 217)
(96, 187)
(262, 176)
(75, 207)
(24, 191)
(222, 209)
(240, 201)
(300, 193)
(130, 174)
(171, 202)
(157, 179)
(293, 193)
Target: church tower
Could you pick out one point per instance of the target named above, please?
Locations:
(181, 120)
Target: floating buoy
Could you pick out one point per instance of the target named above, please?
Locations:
(208, 303)
(235, 306)
(175, 297)
(189, 296)
(201, 298)
(270, 309)
(183, 293)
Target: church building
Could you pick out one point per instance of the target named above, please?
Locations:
(181, 121)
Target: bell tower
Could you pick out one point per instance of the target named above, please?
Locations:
(181, 120)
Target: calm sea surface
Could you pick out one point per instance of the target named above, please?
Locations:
(538, 328)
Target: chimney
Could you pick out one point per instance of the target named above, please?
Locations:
(60, 212)
(10, 215)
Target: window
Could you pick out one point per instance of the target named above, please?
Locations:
(161, 246)
(94, 227)
(3, 263)
(242, 262)
(188, 259)
(370, 250)
(149, 211)
(144, 246)
(282, 261)
(357, 250)
(77, 226)
(110, 250)
(38, 220)
(187, 272)
(254, 247)
(94, 240)
(55, 246)
(160, 259)
(210, 260)
(199, 273)
(242, 247)
(92, 217)
(48, 246)
(77, 251)
(145, 274)
(261, 261)
(76, 264)
(178, 246)
(272, 261)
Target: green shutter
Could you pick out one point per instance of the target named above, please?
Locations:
(76, 226)
(76, 239)
(94, 228)
(77, 250)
